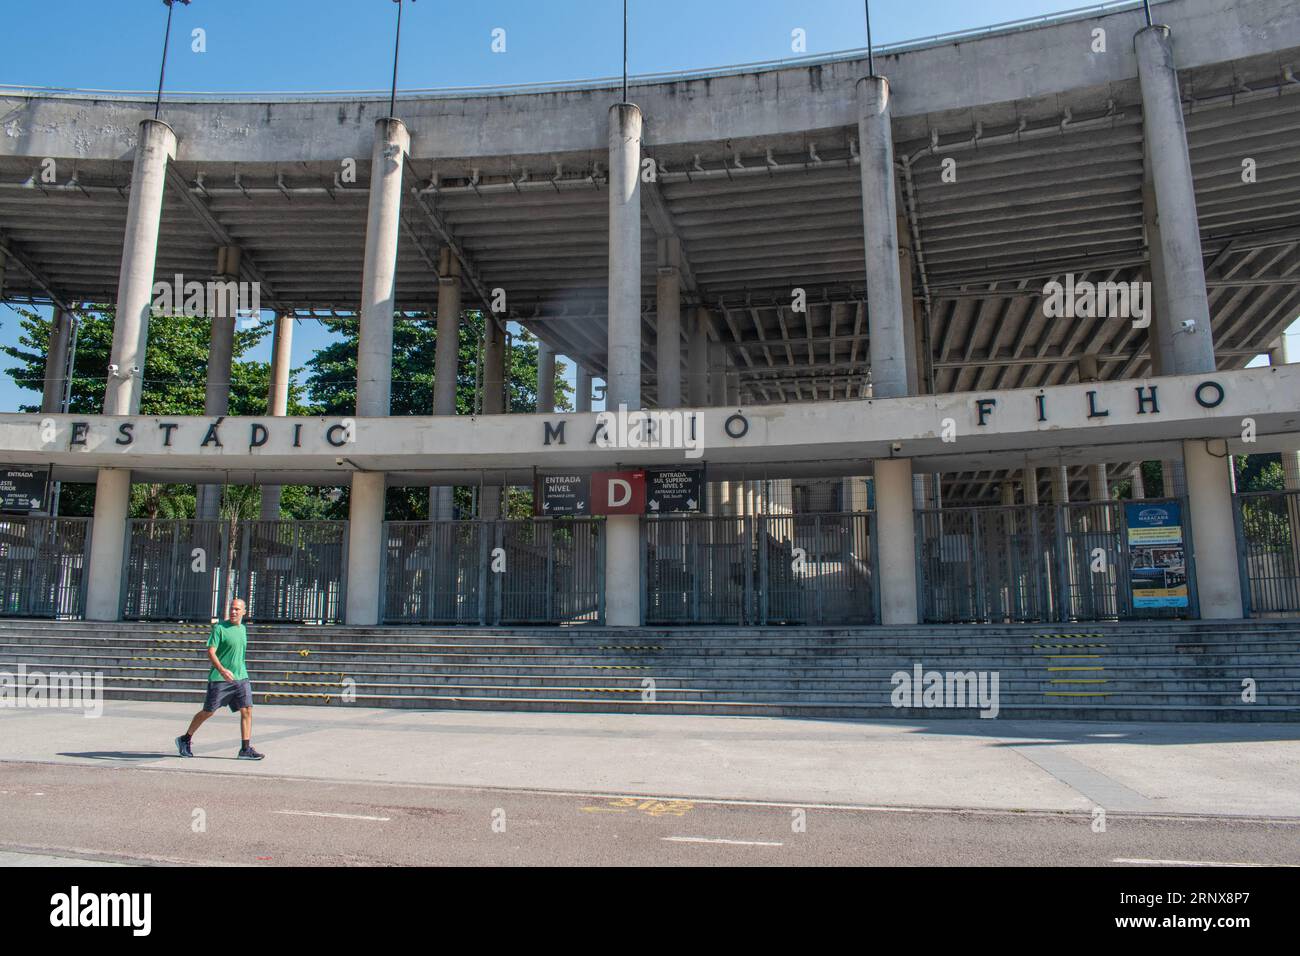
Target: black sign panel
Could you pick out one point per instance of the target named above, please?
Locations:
(674, 490)
(22, 489)
(563, 494)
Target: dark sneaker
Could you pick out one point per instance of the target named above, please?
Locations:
(183, 747)
(248, 753)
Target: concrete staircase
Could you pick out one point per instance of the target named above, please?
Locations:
(1137, 671)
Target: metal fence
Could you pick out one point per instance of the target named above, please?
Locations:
(291, 570)
(187, 570)
(758, 569)
(530, 571)
(43, 564)
(1072, 562)
(1268, 550)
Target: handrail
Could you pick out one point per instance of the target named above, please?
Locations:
(641, 79)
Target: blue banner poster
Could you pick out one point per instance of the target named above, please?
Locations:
(1157, 559)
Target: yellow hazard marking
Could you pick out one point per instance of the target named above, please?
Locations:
(304, 653)
(289, 674)
(1076, 668)
(631, 647)
(325, 697)
(620, 667)
(1076, 693)
(652, 808)
(1080, 680)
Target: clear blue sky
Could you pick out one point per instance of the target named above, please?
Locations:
(313, 45)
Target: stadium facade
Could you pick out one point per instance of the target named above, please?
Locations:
(874, 347)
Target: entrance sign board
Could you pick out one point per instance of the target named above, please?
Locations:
(1157, 559)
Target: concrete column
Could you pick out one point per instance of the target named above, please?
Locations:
(1030, 481)
(446, 357)
(1098, 486)
(889, 337)
(623, 532)
(1282, 352)
(494, 403)
(155, 146)
(582, 401)
(889, 356)
(1060, 476)
(221, 357)
(624, 332)
(56, 362)
(277, 399)
(896, 529)
(545, 378)
(1138, 488)
(908, 304)
(1210, 505)
(668, 324)
(697, 360)
(1171, 177)
(374, 363)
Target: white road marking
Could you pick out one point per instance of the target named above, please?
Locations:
(337, 816)
(687, 839)
(1190, 862)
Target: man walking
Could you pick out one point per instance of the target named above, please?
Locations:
(228, 683)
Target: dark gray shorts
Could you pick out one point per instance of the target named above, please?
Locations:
(232, 693)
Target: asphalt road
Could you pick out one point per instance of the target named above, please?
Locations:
(166, 815)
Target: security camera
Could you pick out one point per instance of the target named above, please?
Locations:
(338, 461)
(896, 446)
(112, 370)
(1187, 325)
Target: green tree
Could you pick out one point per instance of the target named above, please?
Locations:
(332, 378)
(174, 383)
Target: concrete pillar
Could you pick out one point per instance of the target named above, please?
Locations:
(155, 146)
(668, 324)
(1213, 533)
(446, 358)
(1098, 486)
(374, 363)
(582, 401)
(1137, 488)
(888, 338)
(545, 379)
(56, 362)
(277, 399)
(1030, 481)
(896, 530)
(624, 312)
(494, 403)
(623, 532)
(1282, 352)
(221, 357)
(697, 360)
(1165, 135)
(904, 233)
(1060, 476)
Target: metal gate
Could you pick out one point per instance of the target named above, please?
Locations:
(1268, 549)
(181, 570)
(758, 569)
(43, 565)
(175, 569)
(1061, 563)
(290, 570)
(529, 571)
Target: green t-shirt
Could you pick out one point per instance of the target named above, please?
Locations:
(230, 640)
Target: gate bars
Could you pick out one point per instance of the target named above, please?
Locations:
(184, 570)
(758, 569)
(1068, 562)
(43, 565)
(1268, 551)
(508, 571)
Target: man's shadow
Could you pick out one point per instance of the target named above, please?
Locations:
(137, 755)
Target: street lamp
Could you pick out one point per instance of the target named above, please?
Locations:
(162, 72)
